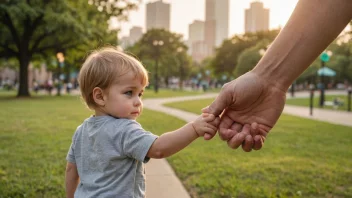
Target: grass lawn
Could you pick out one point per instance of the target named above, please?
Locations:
(305, 101)
(301, 158)
(167, 93)
(34, 139)
(149, 93)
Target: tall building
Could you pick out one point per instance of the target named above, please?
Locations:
(195, 33)
(125, 42)
(158, 15)
(256, 18)
(216, 22)
(135, 34)
(197, 47)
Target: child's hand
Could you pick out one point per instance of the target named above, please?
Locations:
(206, 123)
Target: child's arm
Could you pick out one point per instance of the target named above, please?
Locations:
(172, 142)
(72, 179)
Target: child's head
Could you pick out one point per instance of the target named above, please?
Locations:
(109, 71)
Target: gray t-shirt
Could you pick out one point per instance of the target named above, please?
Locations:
(109, 154)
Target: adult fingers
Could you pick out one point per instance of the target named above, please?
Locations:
(248, 142)
(237, 127)
(225, 131)
(222, 101)
(258, 142)
(236, 140)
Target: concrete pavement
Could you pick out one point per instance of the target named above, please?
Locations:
(161, 179)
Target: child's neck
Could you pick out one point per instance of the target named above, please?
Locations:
(99, 113)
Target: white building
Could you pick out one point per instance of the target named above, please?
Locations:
(158, 15)
(195, 33)
(216, 22)
(136, 33)
(256, 18)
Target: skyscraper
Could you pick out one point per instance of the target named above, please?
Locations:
(195, 33)
(158, 15)
(216, 22)
(197, 47)
(256, 17)
(136, 33)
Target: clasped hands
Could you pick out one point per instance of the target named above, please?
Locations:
(248, 107)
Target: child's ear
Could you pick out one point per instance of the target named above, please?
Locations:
(98, 96)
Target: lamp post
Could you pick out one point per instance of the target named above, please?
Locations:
(179, 52)
(311, 98)
(349, 91)
(61, 62)
(157, 44)
(324, 57)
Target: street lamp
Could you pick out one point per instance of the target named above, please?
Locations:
(349, 93)
(157, 44)
(324, 57)
(179, 51)
(61, 60)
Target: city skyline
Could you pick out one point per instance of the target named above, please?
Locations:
(195, 9)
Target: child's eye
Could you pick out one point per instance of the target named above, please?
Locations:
(129, 93)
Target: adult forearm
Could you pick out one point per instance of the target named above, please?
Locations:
(313, 25)
(172, 142)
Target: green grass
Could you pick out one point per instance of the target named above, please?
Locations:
(305, 101)
(166, 93)
(149, 93)
(34, 139)
(301, 158)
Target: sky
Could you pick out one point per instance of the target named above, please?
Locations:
(184, 12)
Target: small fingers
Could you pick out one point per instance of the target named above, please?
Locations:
(208, 125)
(209, 131)
(208, 136)
(208, 117)
(206, 110)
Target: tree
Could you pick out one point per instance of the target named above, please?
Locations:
(341, 60)
(249, 58)
(226, 56)
(37, 28)
(160, 46)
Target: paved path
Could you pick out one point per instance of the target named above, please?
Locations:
(161, 179)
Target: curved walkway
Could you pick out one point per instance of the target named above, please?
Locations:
(162, 181)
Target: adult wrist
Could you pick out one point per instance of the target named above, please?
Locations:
(271, 77)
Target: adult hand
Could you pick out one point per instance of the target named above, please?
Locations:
(249, 107)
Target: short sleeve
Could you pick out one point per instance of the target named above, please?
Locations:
(71, 152)
(136, 141)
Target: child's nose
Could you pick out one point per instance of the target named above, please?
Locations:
(138, 101)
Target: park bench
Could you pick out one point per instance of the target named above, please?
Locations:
(335, 103)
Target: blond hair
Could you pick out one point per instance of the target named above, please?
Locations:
(103, 67)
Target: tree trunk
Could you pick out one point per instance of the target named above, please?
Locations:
(23, 88)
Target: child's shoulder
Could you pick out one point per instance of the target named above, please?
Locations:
(125, 122)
